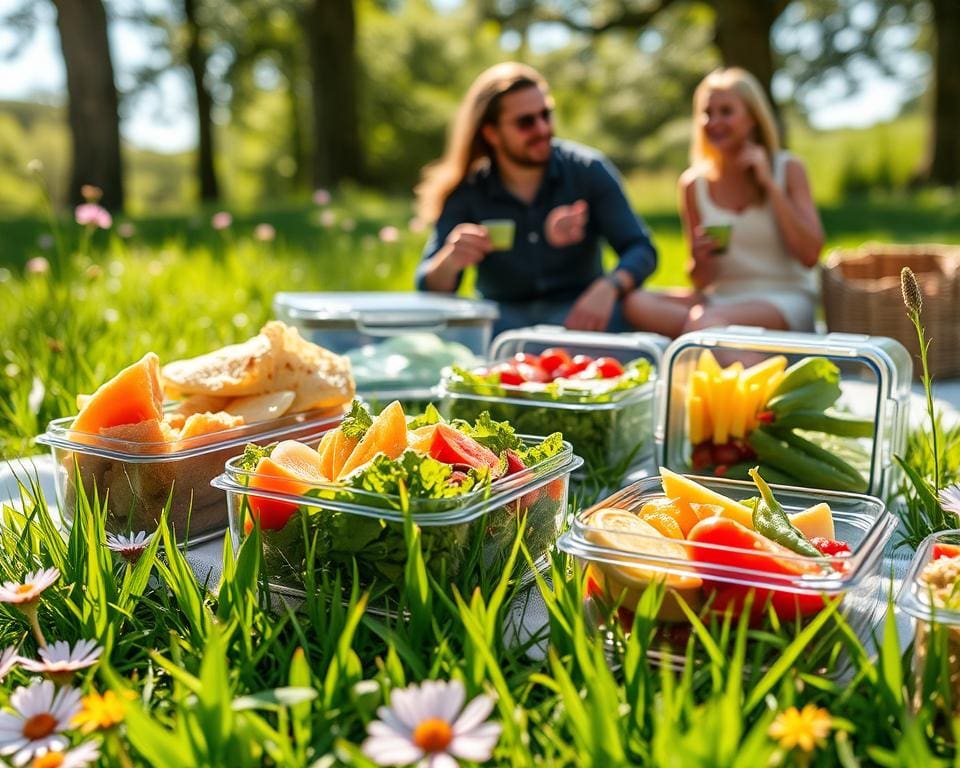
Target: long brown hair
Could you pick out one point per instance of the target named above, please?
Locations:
(466, 146)
(748, 88)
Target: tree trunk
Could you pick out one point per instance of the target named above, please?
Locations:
(197, 62)
(93, 113)
(743, 37)
(944, 163)
(331, 34)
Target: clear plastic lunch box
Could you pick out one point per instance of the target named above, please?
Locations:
(617, 575)
(398, 343)
(875, 380)
(139, 477)
(460, 536)
(932, 599)
(613, 432)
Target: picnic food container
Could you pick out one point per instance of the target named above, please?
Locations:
(711, 578)
(609, 422)
(818, 411)
(141, 476)
(460, 536)
(397, 343)
(930, 595)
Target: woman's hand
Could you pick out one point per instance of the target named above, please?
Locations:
(753, 157)
(703, 268)
(566, 224)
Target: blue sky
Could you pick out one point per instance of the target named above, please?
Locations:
(163, 119)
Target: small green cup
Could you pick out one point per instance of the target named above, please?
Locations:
(720, 234)
(501, 233)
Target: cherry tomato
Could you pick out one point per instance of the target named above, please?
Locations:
(553, 358)
(608, 367)
(508, 374)
(526, 358)
(578, 364)
(532, 372)
(941, 549)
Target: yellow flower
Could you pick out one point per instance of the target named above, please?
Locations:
(807, 728)
(99, 712)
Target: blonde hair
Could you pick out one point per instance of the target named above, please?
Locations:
(747, 87)
(466, 148)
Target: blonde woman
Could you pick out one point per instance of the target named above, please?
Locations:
(748, 215)
(529, 211)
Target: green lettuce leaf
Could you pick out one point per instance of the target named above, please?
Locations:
(357, 422)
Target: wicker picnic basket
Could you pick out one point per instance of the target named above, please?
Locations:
(861, 294)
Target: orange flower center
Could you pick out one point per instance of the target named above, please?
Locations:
(22, 589)
(433, 735)
(48, 760)
(39, 726)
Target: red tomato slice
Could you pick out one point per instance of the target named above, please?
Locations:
(526, 358)
(453, 447)
(553, 358)
(608, 367)
(508, 374)
(945, 550)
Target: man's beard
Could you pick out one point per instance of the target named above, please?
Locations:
(523, 160)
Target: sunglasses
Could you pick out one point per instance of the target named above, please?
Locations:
(527, 122)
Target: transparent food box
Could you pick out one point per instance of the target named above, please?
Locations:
(930, 595)
(711, 578)
(353, 527)
(817, 411)
(610, 427)
(398, 343)
(140, 476)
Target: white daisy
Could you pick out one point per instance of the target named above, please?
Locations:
(429, 725)
(41, 714)
(129, 547)
(950, 499)
(28, 591)
(59, 661)
(79, 757)
(8, 660)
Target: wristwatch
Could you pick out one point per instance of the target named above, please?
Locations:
(611, 277)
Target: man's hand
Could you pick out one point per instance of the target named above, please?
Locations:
(592, 311)
(467, 244)
(566, 224)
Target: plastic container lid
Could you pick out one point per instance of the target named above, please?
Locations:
(915, 595)
(885, 396)
(383, 313)
(623, 346)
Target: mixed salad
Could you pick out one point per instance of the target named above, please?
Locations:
(466, 484)
(602, 406)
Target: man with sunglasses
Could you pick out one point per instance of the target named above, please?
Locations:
(502, 162)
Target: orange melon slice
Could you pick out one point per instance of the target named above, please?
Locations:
(387, 434)
(206, 423)
(419, 439)
(302, 460)
(325, 454)
(132, 396)
(683, 488)
(342, 447)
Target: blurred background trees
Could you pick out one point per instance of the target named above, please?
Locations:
(290, 95)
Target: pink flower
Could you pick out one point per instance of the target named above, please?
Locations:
(328, 218)
(265, 233)
(126, 230)
(38, 265)
(321, 197)
(93, 216)
(417, 224)
(221, 220)
(389, 234)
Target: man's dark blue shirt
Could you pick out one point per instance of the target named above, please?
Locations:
(534, 269)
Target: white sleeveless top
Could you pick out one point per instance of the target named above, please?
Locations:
(756, 258)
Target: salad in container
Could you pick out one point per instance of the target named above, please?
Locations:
(813, 411)
(596, 388)
(931, 596)
(724, 548)
(152, 436)
(341, 501)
